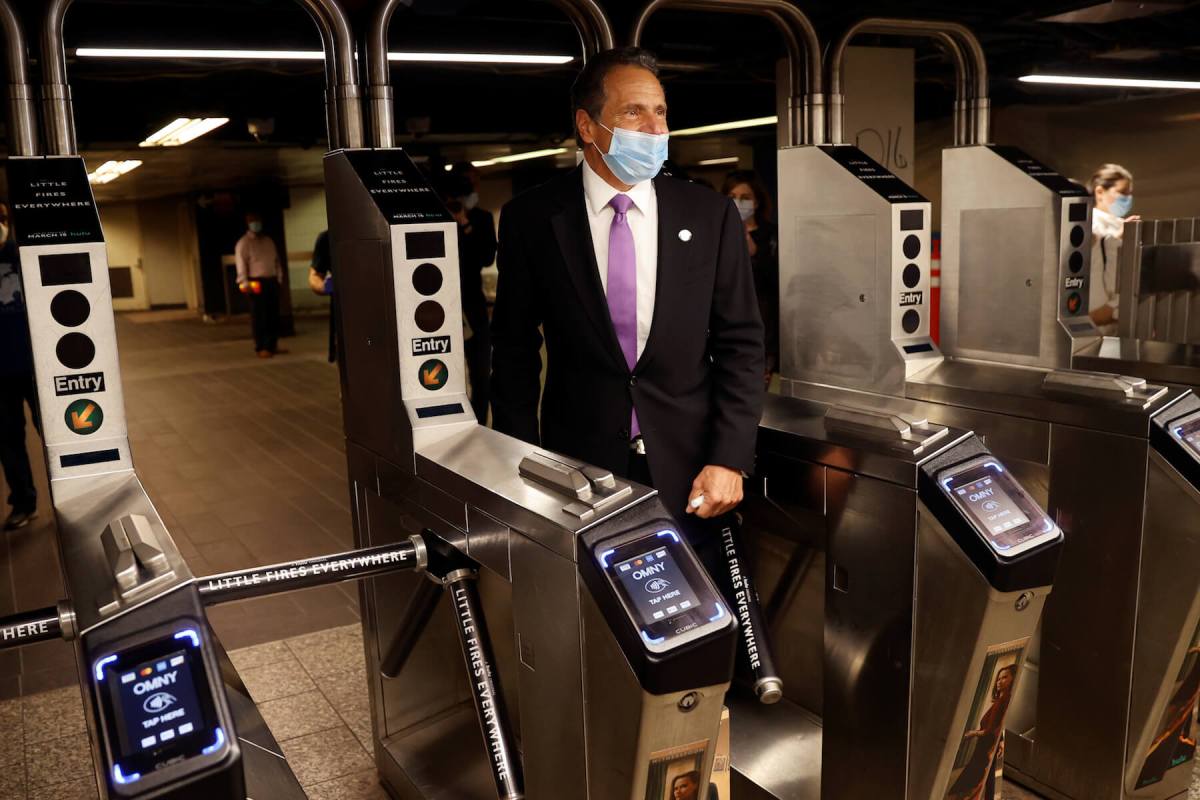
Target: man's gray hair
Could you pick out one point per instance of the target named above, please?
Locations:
(588, 90)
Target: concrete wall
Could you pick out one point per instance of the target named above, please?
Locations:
(157, 240)
(303, 220)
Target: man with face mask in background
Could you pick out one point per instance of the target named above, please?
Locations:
(642, 289)
(259, 276)
(16, 383)
(476, 250)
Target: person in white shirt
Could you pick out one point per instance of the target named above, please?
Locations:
(259, 276)
(1112, 188)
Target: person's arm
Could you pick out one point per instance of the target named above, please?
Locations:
(738, 363)
(516, 340)
(318, 271)
(239, 258)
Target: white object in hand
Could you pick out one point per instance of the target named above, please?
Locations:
(697, 501)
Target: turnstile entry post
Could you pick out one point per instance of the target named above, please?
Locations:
(503, 758)
(319, 571)
(755, 651)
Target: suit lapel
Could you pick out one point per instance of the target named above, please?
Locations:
(574, 235)
(672, 262)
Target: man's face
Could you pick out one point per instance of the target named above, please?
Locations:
(633, 99)
(685, 789)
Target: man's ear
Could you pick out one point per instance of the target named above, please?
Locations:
(583, 124)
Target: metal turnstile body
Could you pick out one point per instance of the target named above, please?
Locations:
(1159, 329)
(1083, 443)
(890, 612)
(604, 706)
(166, 712)
(1016, 259)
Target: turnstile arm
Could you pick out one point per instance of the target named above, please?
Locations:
(29, 627)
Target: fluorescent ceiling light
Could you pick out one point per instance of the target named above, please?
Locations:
(182, 131)
(712, 162)
(480, 58)
(111, 170)
(554, 151)
(1130, 83)
(314, 55)
(726, 126)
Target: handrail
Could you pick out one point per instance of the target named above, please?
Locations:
(336, 35)
(805, 121)
(22, 118)
(970, 66)
(595, 33)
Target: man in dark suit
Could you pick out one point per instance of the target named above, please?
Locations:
(642, 288)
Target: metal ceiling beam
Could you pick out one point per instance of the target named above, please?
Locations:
(804, 118)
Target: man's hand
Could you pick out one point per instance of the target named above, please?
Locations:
(1103, 315)
(460, 216)
(719, 490)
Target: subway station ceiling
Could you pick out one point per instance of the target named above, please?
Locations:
(725, 63)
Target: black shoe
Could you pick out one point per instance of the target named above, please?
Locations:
(19, 519)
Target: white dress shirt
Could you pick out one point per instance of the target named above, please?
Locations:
(256, 257)
(643, 222)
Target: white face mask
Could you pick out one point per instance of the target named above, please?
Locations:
(470, 201)
(745, 207)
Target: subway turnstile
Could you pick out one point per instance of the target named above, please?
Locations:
(904, 570)
(854, 314)
(1158, 272)
(610, 647)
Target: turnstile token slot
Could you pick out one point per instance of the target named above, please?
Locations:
(556, 475)
(901, 429)
(1102, 385)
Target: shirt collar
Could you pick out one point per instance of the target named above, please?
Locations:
(599, 193)
(1105, 223)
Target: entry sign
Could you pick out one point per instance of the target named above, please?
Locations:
(84, 417)
(433, 374)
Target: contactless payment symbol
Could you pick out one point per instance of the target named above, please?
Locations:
(84, 417)
(433, 374)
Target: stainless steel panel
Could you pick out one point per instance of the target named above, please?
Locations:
(1162, 362)
(1000, 309)
(1079, 743)
(869, 596)
(1168, 619)
(479, 466)
(775, 750)
(545, 610)
(443, 759)
(488, 542)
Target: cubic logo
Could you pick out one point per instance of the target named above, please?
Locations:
(159, 701)
(431, 345)
(911, 298)
(154, 684)
(1073, 283)
(78, 384)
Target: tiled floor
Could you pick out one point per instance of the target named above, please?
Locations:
(244, 461)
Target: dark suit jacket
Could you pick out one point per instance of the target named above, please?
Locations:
(698, 385)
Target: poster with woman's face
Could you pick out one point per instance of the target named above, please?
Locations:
(1174, 743)
(980, 751)
(676, 774)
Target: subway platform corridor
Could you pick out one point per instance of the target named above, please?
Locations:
(244, 460)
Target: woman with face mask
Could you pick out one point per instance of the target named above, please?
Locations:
(1112, 188)
(753, 203)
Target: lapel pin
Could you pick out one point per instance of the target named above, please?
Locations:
(685, 235)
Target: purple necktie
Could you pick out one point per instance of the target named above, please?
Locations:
(622, 286)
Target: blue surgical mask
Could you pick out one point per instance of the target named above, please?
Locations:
(745, 207)
(634, 156)
(256, 227)
(1121, 206)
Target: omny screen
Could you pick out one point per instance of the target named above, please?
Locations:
(663, 588)
(656, 586)
(997, 506)
(157, 704)
(1187, 430)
